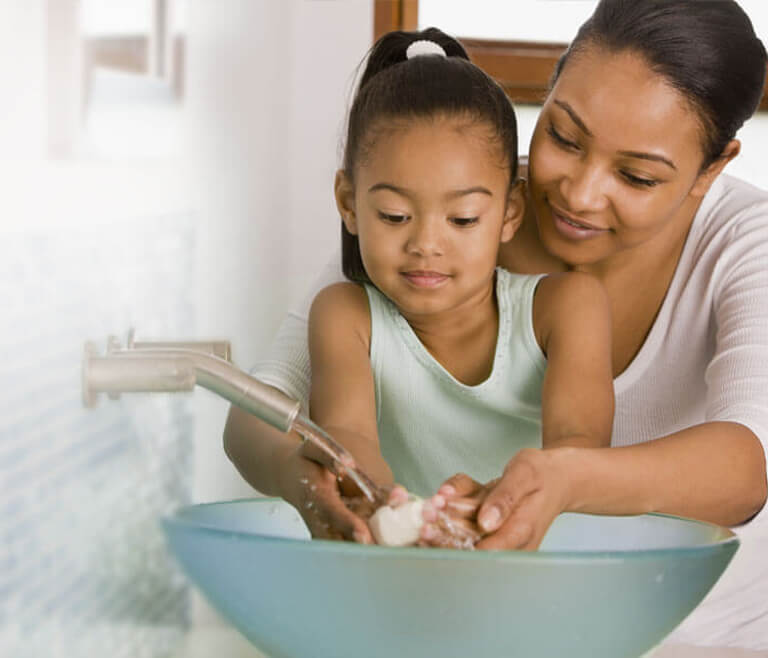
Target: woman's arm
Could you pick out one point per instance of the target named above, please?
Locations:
(714, 472)
(273, 462)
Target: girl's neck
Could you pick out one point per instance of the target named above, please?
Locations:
(462, 340)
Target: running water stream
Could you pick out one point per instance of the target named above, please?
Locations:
(312, 432)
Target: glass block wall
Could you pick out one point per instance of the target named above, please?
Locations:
(84, 571)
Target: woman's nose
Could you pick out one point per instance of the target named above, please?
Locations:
(425, 237)
(583, 187)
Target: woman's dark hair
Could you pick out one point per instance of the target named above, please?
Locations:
(394, 87)
(706, 49)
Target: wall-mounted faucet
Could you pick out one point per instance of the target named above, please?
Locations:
(179, 366)
(164, 367)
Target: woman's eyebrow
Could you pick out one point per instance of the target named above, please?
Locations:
(574, 117)
(649, 156)
(630, 154)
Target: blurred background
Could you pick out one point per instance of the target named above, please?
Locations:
(168, 165)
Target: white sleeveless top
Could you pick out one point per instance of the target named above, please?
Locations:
(432, 426)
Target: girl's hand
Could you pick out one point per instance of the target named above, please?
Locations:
(515, 511)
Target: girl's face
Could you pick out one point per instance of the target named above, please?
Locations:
(615, 162)
(430, 205)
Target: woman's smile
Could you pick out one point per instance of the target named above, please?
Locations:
(574, 228)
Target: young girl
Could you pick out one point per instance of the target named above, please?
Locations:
(432, 361)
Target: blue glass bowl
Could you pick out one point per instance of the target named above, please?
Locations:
(601, 586)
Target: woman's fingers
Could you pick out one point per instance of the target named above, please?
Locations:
(460, 485)
(525, 527)
(319, 502)
(520, 479)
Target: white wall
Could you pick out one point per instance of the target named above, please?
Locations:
(22, 80)
(267, 90)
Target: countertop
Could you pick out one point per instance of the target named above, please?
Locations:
(205, 642)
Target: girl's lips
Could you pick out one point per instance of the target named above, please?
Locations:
(573, 229)
(425, 279)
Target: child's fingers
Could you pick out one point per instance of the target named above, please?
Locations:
(398, 495)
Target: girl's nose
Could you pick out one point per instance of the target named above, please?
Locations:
(425, 237)
(583, 187)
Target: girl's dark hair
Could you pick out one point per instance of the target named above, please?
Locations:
(394, 87)
(706, 49)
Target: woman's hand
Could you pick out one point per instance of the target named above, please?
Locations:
(315, 492)
(331, 505)
(513, 512)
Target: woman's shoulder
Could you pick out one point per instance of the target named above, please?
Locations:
(731, 197)
(733, 212)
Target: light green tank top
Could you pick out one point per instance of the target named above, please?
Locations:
(432, 426)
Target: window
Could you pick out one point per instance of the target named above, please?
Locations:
(506, 48)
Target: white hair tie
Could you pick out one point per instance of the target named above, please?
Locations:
(424, 47)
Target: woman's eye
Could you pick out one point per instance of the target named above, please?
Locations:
(464, 221)
(639, 181)
(562, 141)
(393, 219)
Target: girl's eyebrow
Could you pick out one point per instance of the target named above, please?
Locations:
(477, 189)
(630, 154)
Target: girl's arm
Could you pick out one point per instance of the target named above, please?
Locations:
(572, 321)
(342, 397)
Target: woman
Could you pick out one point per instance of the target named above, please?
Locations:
(625, 183)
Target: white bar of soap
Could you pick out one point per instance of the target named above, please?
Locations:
(397, 526)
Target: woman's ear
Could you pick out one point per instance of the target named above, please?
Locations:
(513, 215)
(344, 191)
(707, 177)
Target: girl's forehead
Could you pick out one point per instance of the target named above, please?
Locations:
(436, 136)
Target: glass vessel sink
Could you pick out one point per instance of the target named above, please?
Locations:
(600, 587)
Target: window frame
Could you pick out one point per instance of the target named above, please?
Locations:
(522, 68)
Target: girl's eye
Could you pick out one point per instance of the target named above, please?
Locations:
(562, 141)
(393, 219)
(638, 180)
(464, 221)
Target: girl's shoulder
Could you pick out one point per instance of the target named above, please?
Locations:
(569, 291)
(340, 304)
(566, 299)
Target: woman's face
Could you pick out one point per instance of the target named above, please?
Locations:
(614, 161)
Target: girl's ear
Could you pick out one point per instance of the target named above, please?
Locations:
(513, 216)
(344, 191)
(707, 177)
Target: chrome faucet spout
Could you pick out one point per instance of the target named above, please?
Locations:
(166, 368)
